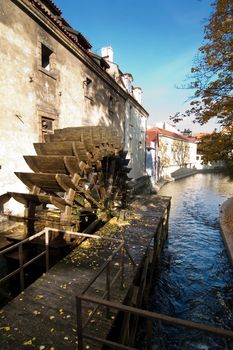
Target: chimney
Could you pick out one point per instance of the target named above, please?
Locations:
(128, 79)
(137, 94)
(107, 52)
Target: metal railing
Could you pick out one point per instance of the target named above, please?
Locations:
(106, 268)
(46, 232)
(121, 251)
(22, 264)
(147, 315)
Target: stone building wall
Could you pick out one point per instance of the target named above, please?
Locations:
(135, 130)
(18, 115)
(47, 82)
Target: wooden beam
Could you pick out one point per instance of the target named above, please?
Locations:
(54, 148)
(47, 164)
(4, 198)
(47, 182)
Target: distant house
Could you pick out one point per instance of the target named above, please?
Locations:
(168, 151)
(200, 165)
(51, 79)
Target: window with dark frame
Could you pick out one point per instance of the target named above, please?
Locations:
(87, 87)
(46, 54)
(47, 126)
(111, 105)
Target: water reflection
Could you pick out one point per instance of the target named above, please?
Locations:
(195, 279)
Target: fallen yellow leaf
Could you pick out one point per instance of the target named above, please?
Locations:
(27, 342)
(39, 296)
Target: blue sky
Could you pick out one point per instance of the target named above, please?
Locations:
(154, 40)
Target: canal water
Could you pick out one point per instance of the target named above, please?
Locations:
(195, 281)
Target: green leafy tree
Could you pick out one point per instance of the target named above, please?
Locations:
(212, 79)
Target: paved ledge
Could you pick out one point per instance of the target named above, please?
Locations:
(180, 174)
(226, 223)
(183, 172)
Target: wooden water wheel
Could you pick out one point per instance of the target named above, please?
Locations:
(78, 171)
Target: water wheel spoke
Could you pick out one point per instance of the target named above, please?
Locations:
(88, 196)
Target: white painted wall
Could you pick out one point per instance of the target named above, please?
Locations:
(162, 158)
(135, 131)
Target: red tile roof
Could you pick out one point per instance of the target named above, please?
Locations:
(200, 135)
(59, 23)
(53, 6)
(153, 134)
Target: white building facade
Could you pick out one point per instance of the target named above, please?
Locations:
(168, 152)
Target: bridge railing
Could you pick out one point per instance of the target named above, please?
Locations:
(22, 264)
(148, 316)
(45, 235)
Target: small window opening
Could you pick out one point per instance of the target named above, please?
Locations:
(87, 86)
(46, 57)
(111, 104)
(47, 126)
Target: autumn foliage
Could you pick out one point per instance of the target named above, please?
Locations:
(217, 146)
(212, 79)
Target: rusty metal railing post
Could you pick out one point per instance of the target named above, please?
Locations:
(122, 266)
(47, 249)
(21, 267)
(79, 322)
(149, 334)
(108, 286)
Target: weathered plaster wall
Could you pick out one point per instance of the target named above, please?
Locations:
(75, 106)
(18, 124)
(135, 130)
(29, 92)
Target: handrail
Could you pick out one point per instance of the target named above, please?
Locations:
(22, 265)
(106, 267)
(84, 234)
(102, 268)
(46, 232)
(6, 250)
(150, 316)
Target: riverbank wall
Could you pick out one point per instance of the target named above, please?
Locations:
(181, 174)
(226, 224)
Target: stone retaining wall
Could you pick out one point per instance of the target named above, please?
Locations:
(226, 223)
